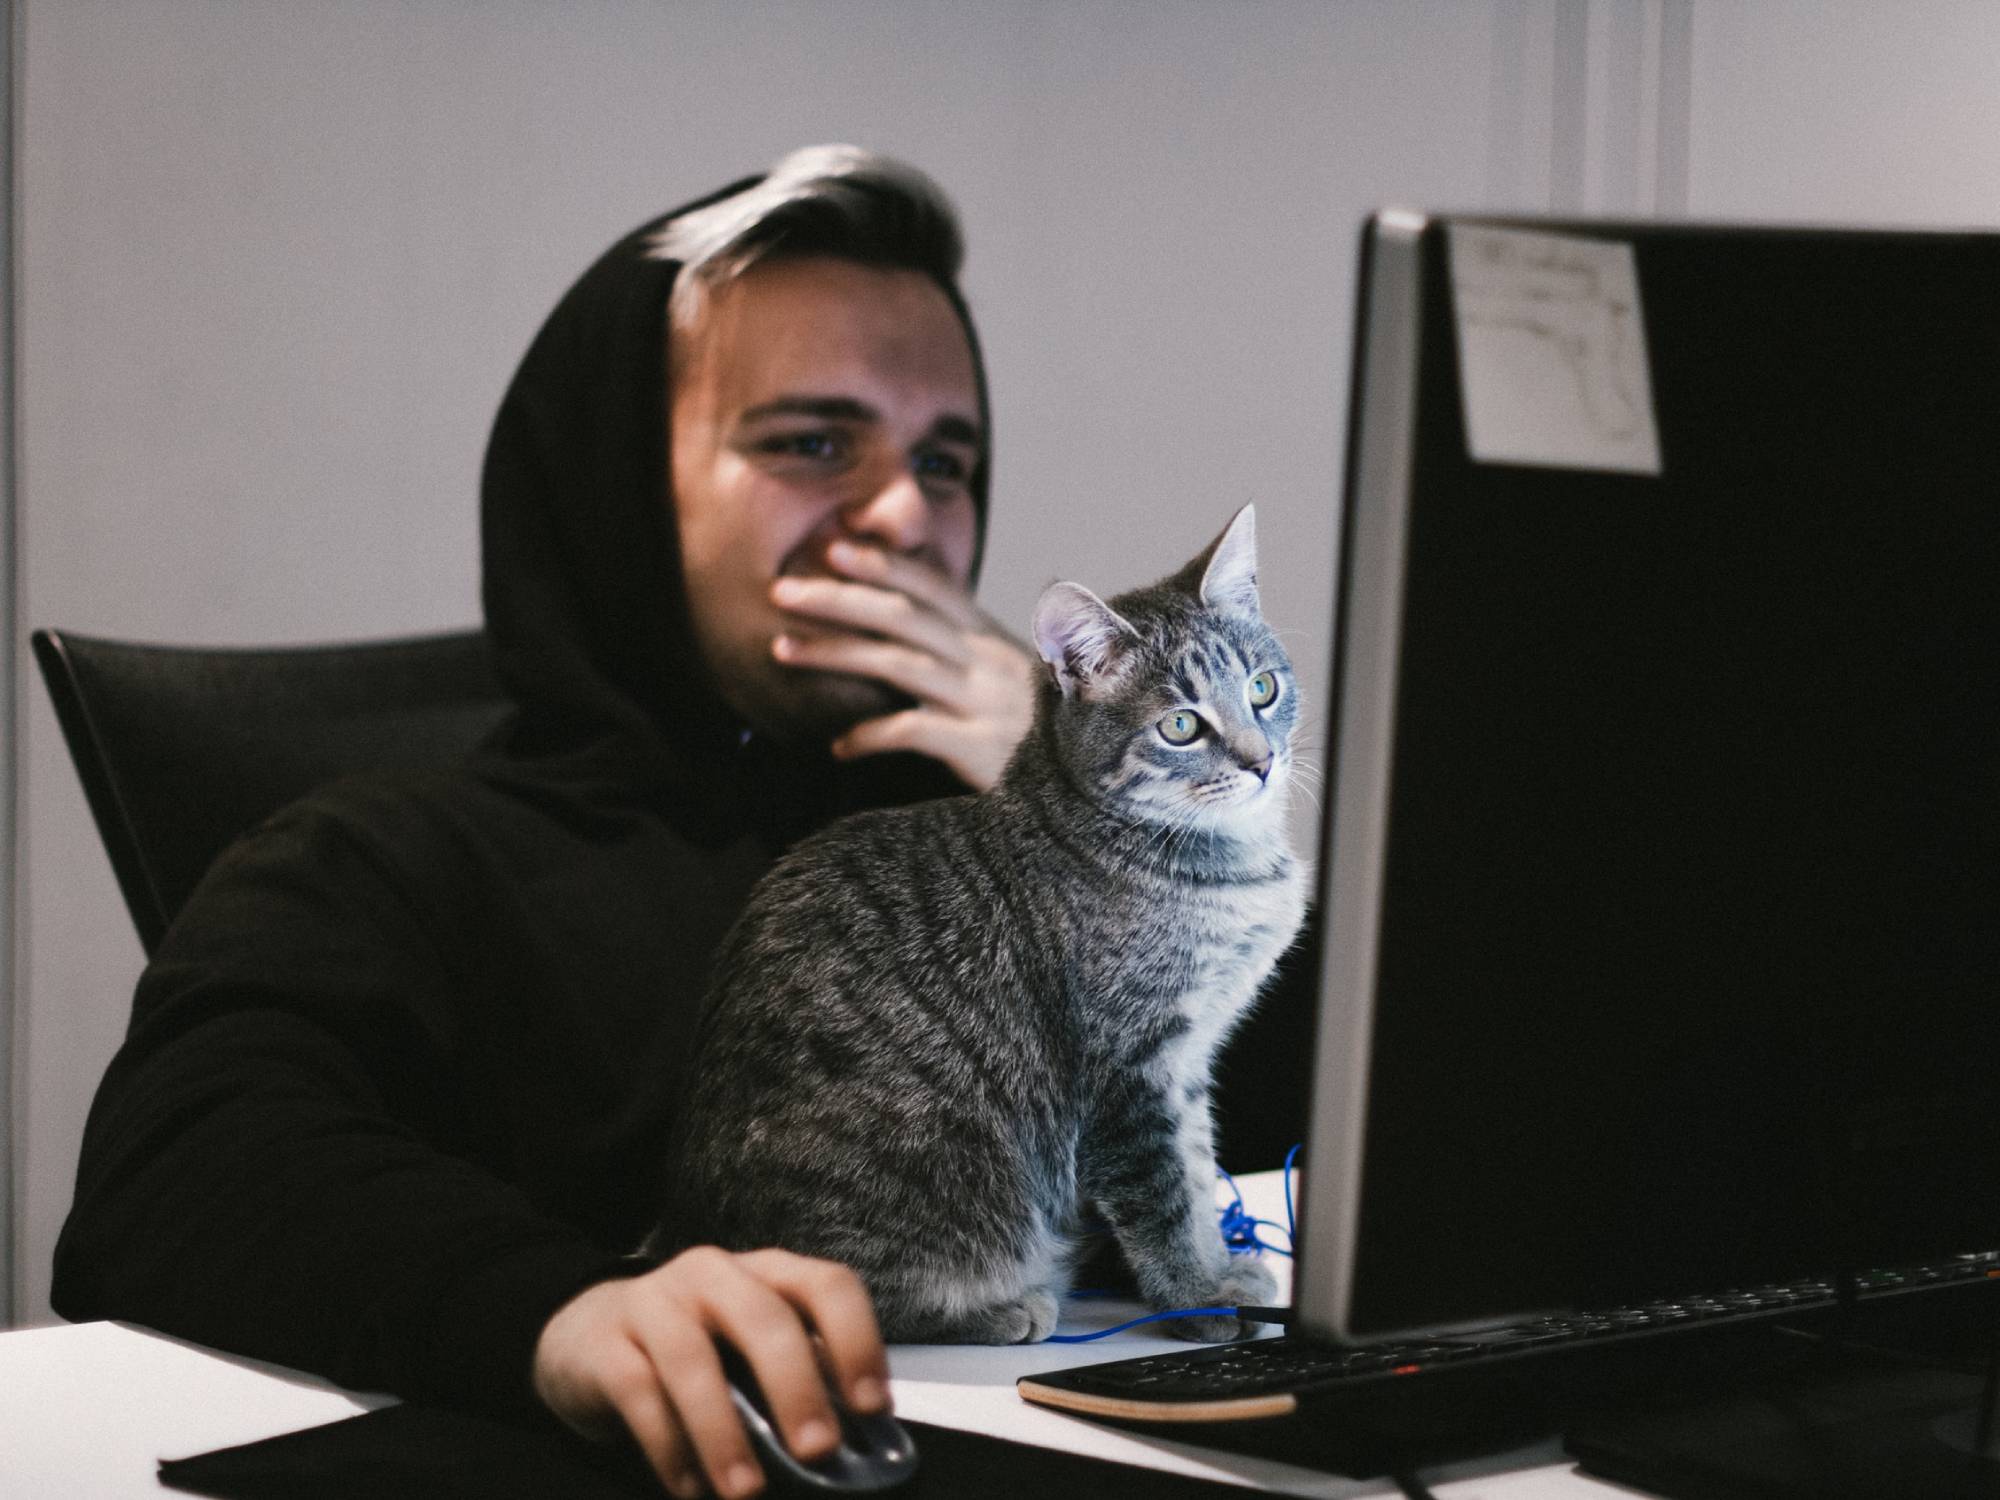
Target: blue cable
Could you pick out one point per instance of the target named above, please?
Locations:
(1291, 1224)
(1240, 1226)
(1239, 1233)
(1158, 1317)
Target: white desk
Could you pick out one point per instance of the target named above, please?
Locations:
(86, 1412)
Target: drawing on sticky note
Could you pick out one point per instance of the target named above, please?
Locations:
(1552, 350)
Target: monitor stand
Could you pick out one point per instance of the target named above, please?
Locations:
(1821, 1420)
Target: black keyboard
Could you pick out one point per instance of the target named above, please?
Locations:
(1266, 1377)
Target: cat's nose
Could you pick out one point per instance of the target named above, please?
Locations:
(1260, 768)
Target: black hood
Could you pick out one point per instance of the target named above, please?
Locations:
(582, 570)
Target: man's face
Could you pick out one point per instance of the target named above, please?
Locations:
(815, 400)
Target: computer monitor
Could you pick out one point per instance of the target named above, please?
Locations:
(1661, 862)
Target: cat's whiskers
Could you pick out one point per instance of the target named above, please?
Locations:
(1170, 839)
(1154, 829)
(1304, 741)
(1170, 835)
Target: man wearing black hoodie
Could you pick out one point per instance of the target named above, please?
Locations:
(395, 1098)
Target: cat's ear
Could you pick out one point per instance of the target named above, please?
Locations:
(1079, 636)
(1225, 576)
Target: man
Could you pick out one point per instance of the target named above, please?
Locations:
(398, 1085)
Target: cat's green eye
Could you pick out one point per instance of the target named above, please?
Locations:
(1180, 727)
(1263, 690)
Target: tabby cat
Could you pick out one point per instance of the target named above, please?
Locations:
(939, 1035)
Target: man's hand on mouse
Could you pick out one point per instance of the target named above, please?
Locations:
(641, 1353)
(910, 626)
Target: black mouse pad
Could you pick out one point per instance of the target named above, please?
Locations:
(424, 1453)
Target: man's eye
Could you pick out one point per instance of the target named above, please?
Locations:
(943, 465)
(809, 445)
(947, 467)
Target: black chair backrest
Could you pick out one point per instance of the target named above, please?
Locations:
(181, 750)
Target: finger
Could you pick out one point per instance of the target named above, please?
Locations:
(917, 673)
(1003, 684)
(836, 1304)
(633, 1389)
(885, 612)
(977, 758)
(920, 729)
(687, 1367)
(907, 575)
(765, 1329)
(973, 755)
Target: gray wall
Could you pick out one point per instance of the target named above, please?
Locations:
(9, 687)
(279, 260)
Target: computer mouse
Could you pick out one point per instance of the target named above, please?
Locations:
(875, 1452)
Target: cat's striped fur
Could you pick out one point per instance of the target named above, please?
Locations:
(940, 1033)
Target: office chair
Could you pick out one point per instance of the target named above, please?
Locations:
(182, 749)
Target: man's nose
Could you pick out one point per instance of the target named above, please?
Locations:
(896, 514)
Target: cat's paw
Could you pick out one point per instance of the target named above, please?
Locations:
(1028, 1319)
(1246, 1283)
(1208, 1330)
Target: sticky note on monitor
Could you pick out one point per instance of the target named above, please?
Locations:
(1552, 350)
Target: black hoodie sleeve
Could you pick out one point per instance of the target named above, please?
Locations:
(288, 1157)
